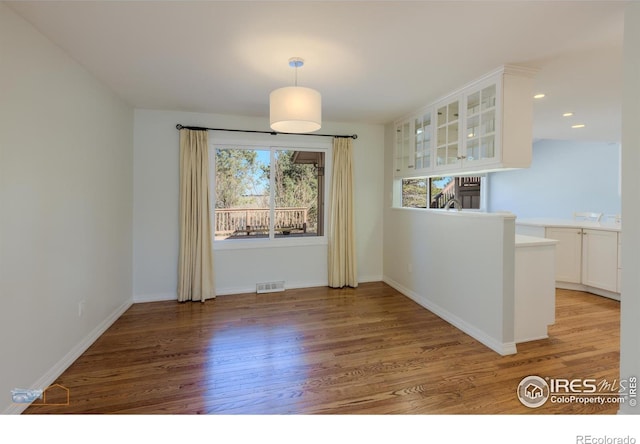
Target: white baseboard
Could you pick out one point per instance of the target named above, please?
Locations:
(531, 338)
(158, 297)
(54, 373)
(587, 289)
(154, 297)
(295, 285)
(502, 348)
(235, 290)
(365, 279)
(287, 286)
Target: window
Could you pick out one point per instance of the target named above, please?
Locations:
(265, 193)
(436, 192)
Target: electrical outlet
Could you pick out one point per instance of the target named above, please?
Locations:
(81, 305)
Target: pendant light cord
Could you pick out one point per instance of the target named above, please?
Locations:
(296, 62)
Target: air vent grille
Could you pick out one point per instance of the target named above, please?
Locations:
(269, 287)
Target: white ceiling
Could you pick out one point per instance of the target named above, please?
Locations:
(372, 61)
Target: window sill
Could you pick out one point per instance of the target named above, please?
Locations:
(440, 210)
(243, 244)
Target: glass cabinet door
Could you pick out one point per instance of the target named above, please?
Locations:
(447, 134)
(422, 128)
(404, 159)
(480, 132)
(397, 158)
(407, 157)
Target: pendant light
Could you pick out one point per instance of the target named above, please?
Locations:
(295, 109)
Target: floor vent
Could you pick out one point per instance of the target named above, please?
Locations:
(269, 287)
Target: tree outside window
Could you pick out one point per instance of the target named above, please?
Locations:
(269, 192)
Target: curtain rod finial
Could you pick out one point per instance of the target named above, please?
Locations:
(179, 126)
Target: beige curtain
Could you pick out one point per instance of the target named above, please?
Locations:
(342, 246)
(195, 267)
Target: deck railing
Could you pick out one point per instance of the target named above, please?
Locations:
(231, 221)
(458, 184)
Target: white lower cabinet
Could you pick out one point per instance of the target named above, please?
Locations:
(568, 253)
(587, 257)
(600, 259)
(535, 292)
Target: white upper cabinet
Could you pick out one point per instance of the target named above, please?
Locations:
(485, 126)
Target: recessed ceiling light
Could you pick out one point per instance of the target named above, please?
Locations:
(538, 96)
(580, 125)
(567, 115)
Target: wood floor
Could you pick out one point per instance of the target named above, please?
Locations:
(321, 351)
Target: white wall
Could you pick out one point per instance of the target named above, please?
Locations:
(630, 300)
(66, 145)
(565, 176)
(458, 265)
(156, 230)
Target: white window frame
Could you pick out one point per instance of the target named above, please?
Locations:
(484, 194)
(268, 144)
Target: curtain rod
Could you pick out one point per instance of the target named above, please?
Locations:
(273, 133)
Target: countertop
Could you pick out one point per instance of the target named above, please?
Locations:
(532, 241)
(570, 223)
